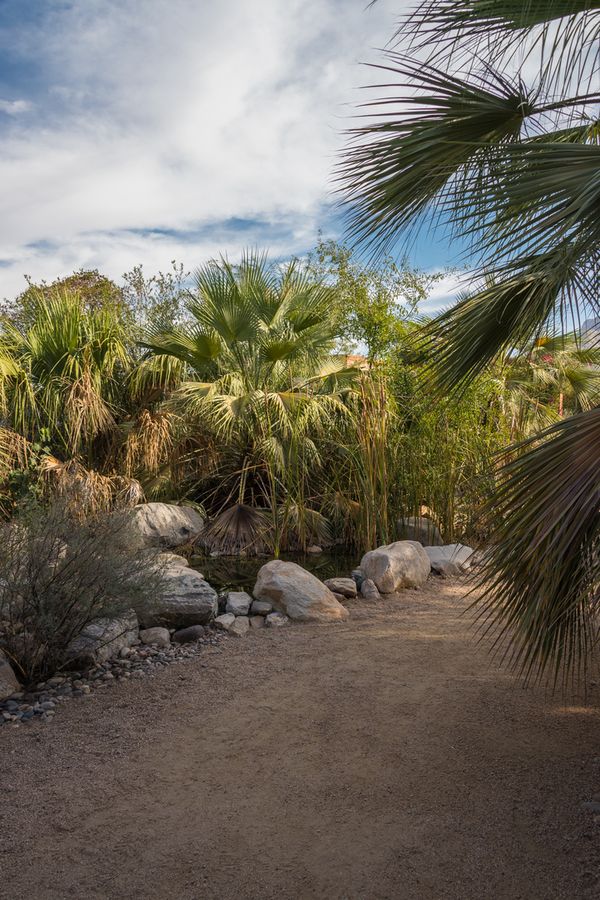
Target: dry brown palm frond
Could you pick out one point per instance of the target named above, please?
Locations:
(238, 528)
(14, 451)
(85, 411)
(149, 443)
(86, 491)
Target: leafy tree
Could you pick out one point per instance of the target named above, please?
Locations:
(495, 136)
(157, 301)
(94, 290)
(376, 304)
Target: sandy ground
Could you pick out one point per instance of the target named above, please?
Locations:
(383, 758)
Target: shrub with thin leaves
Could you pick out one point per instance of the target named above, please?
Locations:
(58, 574)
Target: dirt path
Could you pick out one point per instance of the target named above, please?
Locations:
(383, 758)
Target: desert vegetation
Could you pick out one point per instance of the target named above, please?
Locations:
(310, 401)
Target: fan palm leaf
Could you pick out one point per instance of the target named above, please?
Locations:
(511, 165)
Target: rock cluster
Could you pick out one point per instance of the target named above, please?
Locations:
(174, 627)
(243, 613)
(41, 702)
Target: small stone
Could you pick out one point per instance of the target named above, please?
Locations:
(276, 620)
(158, 636)
(56, 680)
(225, 621)
(124, 652)
(344, 586)
(238, 603)
(187, 635)
(369, 591)
(261, 608)
(85, 689)
(108, 677)
(357, 577)
(240, 626)
(257, 621)
(591, 806)
(47, 705)
(314, 548)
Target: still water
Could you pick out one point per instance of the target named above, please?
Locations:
(239, 573)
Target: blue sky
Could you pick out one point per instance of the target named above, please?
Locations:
(141, 131)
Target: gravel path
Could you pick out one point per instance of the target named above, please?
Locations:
(382, 758)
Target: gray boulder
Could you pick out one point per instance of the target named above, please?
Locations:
(297, 593)
(257, 621)
(165, 525)
(157, 635)
(403, 564)
(238, 603)
(419, 528)
(103, 639)
(188, 635)
(261, 608)
(186, 599)
(450, 559)
(344, 586)
(8, 680)
(240, 626)
(368, 590)
(225, 621)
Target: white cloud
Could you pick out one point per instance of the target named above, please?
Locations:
(174, 114)
(14, 107)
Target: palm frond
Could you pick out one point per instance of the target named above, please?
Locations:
(437, 145)
(542, 572)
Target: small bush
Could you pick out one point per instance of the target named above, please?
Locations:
(58, 574)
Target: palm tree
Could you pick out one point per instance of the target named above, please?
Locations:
(495, 137)
(259, 379)
(61, 373)
(557, 377)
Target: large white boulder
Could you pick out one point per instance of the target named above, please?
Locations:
(8, 680)
(294, 591)
(186, 598)
(403, 564)
(165, 525)
(103, 639)
(419, 528)
(450, 559)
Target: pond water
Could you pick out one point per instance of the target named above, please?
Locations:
(239, 573)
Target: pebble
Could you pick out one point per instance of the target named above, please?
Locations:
(40, 703)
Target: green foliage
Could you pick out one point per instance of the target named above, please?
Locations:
(376, 304)
(258, 382)
(156, 301)
(495, 137)
(58, 574)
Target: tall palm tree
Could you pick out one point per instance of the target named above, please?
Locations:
(257, 376)
(489, 128)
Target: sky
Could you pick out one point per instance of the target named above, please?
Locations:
(145, 131)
